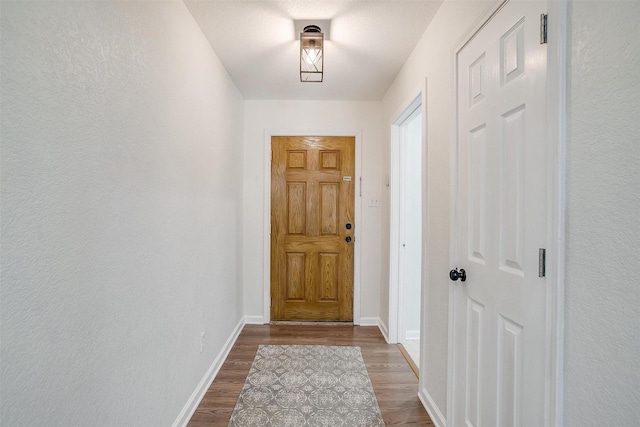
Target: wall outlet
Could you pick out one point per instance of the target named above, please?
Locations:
(202, 335)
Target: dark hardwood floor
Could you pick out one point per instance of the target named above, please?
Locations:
(394, 383)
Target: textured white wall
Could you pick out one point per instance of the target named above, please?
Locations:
(602, 356)
(309, 116)
(121, 204)
(431, 59)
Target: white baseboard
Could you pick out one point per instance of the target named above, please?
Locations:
(384, 329)
(369, 321)
(432, 409)
(254, 320)
(197, 395)
(412, 335)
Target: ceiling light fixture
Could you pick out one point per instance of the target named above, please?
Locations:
(311, 54)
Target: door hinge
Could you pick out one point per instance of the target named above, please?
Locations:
(542, 260)
(543, 28)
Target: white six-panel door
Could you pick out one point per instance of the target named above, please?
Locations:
(499, 311)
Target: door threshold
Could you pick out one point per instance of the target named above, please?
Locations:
(302, 323)
(410, 361)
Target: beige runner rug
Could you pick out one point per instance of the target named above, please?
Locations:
(299, 385)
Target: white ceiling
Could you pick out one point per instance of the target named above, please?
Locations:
(369, 42)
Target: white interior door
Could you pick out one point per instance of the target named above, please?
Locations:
(499, 311)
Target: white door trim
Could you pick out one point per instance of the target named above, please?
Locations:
(394, 241)
(268, 133)
(557, 60)
(557, 93)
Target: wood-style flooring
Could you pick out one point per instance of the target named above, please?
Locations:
(395, 385)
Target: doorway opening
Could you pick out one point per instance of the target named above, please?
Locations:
(406, 223)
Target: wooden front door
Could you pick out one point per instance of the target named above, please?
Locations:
(312, 228)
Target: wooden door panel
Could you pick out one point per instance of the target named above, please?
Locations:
(329, 193)
(296, 160)
(330, 160)
(296, 207)
(328, 280)
(312, 201)
(295, 283)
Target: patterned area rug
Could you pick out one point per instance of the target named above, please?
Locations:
(307, 385)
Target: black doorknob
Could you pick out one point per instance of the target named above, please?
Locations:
(455, 275)
(348, 226)
(348, 239)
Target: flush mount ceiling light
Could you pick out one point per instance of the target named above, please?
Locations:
(311, 54)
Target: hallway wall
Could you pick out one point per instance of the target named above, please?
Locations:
(602, 347)
(121, 210)
(431, 59)
(310, 116)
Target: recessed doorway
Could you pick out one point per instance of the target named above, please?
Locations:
(406, 250)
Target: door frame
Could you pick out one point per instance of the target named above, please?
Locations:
(557, 91)
(395, 293)
(357, 203)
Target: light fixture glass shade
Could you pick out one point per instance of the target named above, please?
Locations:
(311, 54)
